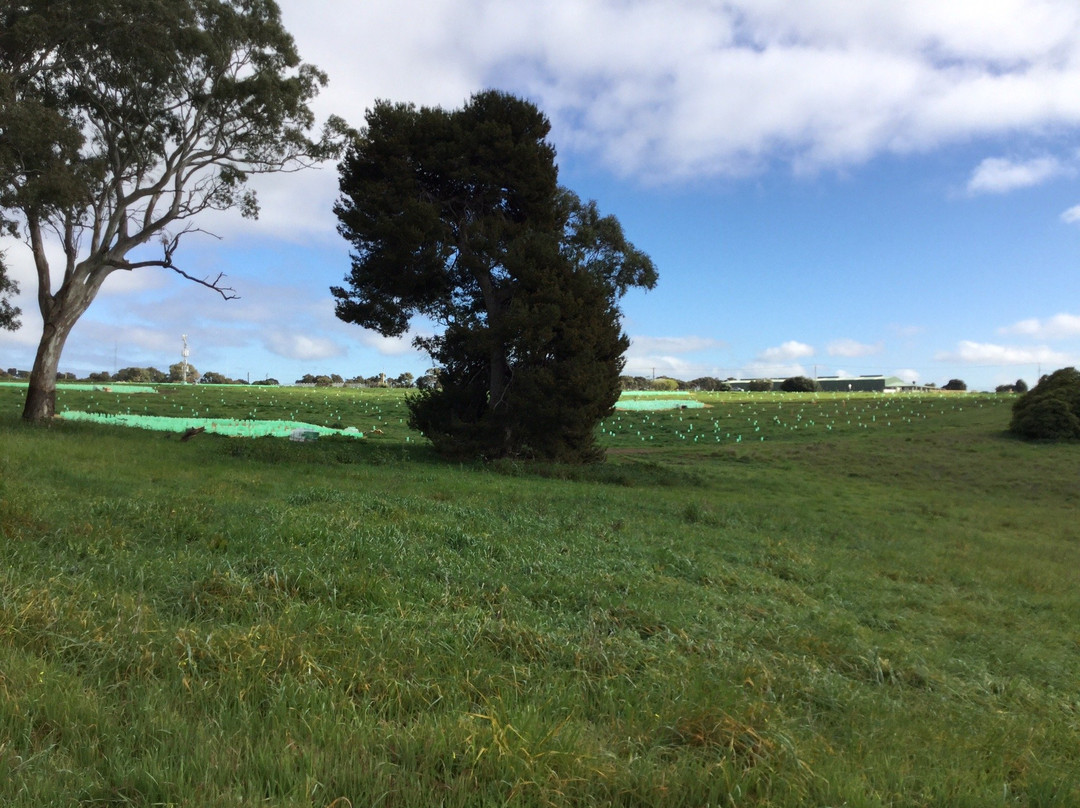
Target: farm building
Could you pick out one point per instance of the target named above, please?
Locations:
(843, 384)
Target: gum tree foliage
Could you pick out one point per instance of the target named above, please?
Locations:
(176, 373)
(9, 314)
(955, 384)
(457, 216)
(123, 120)
(1051, 409)
(151, 374)
(710, 384)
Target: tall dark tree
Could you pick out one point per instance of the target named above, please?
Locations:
(457, 216)
(121, 121)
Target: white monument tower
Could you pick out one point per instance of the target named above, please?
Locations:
(185, 353)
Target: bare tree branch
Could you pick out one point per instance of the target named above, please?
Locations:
(226, 292)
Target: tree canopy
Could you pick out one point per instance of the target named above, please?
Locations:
(121, 121)
(458, 217)
(9, 314)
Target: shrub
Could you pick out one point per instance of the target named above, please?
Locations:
(664, 383)
(760, 385)
(955, 384)
(1050, 411)
(800, 384)
(710, 384)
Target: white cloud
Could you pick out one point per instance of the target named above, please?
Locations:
(299, 346)
(294, 206)
(1060, 326)
(772, 370)
(661, 356)
(785, 353)
(907, 374)
(25, 340)
(686, 88)
(998, 175)
(1072, 215)
(672, 366)
(851, 349)
(907, 331)
(672, 345)
(979, 353)
(387, 346)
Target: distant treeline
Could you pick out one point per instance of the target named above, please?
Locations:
(176, 375)
(703, 384)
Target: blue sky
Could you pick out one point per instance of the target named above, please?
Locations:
(833, 186)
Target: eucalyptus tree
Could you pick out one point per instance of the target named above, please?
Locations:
(9, 314)
(457, 216)
(123, 120)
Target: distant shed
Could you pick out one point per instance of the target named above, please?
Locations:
(842, 384)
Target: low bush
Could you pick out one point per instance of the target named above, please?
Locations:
(800, 384)
(1051, 410)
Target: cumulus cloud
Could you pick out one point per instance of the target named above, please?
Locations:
(998, 175)
(1060, 326)
(907, 374)
(980, 353)
(1072, 215)
(772, 370)
(672, 345)
(664, 356)
(685, 88)
(294, 206)
(673, 366)
(785, 353)
(388, 346)
(300, 346)
(851, 349)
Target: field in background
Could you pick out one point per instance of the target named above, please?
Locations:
(381, 413)
(776, 600)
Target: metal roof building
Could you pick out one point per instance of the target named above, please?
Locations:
(843, 384)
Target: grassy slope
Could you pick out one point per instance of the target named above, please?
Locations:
(843, 613)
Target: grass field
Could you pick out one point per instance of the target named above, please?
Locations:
(777, 600)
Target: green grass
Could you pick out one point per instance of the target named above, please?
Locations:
(876, 613)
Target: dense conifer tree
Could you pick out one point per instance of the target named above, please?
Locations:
(458, 216)
(1051, 409)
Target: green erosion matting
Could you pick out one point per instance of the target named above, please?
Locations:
(114, 387)
(657, 404)
(654, 393)
(219, 426)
